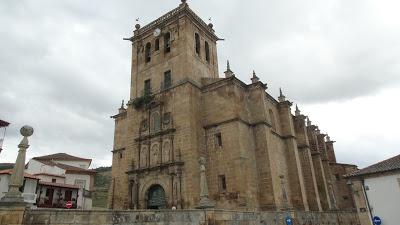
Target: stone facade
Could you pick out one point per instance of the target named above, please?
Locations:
(259, 155)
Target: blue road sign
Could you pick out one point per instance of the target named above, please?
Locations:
(288, 220)
(377, 220)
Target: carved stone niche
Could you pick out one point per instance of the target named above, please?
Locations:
(166, 151)
(167, 118)
(155, 154)
(144, 125)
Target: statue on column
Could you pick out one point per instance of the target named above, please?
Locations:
(205, 202)
(14, 197)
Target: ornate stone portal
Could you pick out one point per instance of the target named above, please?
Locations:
(14, 197)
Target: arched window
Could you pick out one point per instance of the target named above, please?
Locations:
(272, 117)
(207, 48)
(167, 42)
(197, 40)
(157, 45)
(155, 122)
(147, 52)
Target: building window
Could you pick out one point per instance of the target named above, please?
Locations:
(197, 40)
(218, 138)
(157, 45)
(167, 79)
(167, 118)
(272, 117)
(53, 180)
(222, 183)
(167, 42)
(147, 53)
(207, 49)
(120, 155)
(147, 87)
(80, 183)
(155, 122)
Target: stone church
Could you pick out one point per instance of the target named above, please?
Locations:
(255, 154)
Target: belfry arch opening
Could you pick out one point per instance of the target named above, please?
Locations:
(156, 197)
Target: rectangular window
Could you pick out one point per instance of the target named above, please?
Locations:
(157, 45)
(147, 87)
(81, 183)
(53, 180)
(222, 183)
(337, 176)
(218, 138)
(167, 79)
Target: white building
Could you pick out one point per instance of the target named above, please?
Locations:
(63, 178)
(28, 189)
(380, 184)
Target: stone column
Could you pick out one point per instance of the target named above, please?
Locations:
(14, 196)
(205, 202)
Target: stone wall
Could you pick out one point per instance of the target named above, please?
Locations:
(181, 217)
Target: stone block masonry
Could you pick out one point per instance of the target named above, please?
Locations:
(171, 217)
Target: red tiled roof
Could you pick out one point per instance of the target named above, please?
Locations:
(26, 175)
(58, 185)
(380, 167)
(68, 168)
(61, 156)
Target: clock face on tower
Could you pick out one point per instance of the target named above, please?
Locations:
(157, 32)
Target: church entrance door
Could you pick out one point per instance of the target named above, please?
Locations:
(156, 198)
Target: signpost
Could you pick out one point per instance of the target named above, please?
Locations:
(68, 205)
(288, 220)
(377, 220)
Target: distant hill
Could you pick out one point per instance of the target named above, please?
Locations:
(101, 185)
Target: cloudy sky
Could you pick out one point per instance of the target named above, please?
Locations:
(64, 67)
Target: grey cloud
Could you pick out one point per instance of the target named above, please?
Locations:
(67, 68)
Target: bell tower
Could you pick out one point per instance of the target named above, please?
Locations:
(177, 47)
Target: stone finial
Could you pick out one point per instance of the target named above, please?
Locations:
(254, 79)
(137, 26)
(122, 108)
(228, 72)
(26, 131)
(281, 97)
(210, 25)
(308, 121)
(183, 2)
(297, 112)
(328, 139)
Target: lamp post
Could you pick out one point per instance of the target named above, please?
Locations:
(14, 196)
